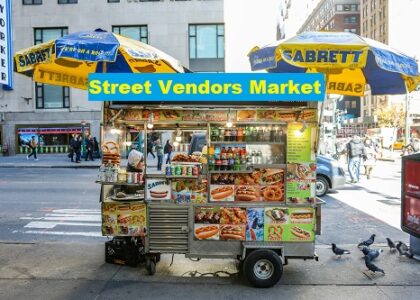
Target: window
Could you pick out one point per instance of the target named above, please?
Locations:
(31, 2)
(352, 30)
(67, 1)
(350, 20)
(339, 7)
(113, 1)
(207, 41)
(353, 104)
(135, 32)
(50, 96)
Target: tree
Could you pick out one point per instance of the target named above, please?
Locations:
(391, 116)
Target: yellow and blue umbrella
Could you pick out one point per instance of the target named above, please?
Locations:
(68, 60)
(349, 61)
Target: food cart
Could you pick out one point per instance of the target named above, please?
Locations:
(240, 184)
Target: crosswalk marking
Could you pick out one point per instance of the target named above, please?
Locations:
(53, 219)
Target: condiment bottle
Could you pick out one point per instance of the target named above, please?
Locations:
(233, 134)
(227, 135)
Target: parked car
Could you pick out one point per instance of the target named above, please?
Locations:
(198, 140)
(330, 175)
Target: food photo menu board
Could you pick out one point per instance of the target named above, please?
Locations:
(270, 224)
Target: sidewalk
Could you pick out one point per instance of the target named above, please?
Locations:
(45, 161)
(78, 271)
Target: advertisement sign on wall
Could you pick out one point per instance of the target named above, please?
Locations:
(6, 67)
(411, 198)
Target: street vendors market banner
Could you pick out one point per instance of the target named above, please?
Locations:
(206, 87)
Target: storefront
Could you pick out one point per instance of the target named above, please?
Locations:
(50, 138)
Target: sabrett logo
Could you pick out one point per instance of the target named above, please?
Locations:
(34, 57)
(328, 56)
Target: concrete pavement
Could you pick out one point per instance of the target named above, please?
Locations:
(78, 271)
(45, 161)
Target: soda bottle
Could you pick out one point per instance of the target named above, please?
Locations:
(229, 153)
(240, 135)
(221, 134)
(237, 163)
(217, 153)
(227, 135)
(233, 134)
(225, 163)
(231, 164)
(223, 154)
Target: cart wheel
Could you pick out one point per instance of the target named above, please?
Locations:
(150, 266)
(263, 268)
(321, 186)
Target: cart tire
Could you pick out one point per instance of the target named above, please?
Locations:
(150, 266)
(263, 268)
(321, 186)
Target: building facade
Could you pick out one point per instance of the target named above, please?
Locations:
(334, 15)
(191, 31)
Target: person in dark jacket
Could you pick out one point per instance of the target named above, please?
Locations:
(78, 148)
(89, 148)
(168, 150)
(150, 148)
(71, 147)
(96, 148)
(355, 151)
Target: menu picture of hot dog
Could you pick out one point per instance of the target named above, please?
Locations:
(127, 219)
(158, 189)
(302, 216)
(296, 172)
(232, 232)
(299, 233)
(206, 232)
(255, 224)
(247, 193)
(222, 193)
(233, 215)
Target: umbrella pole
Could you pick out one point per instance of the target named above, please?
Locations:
(104, 67)
(321, 116)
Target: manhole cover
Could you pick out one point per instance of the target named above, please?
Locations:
(390, 202)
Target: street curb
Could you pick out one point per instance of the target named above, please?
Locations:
(48, 167)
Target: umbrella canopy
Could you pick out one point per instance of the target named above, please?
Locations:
(348, 60)
(67, 61)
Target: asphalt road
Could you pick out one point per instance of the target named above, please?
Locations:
(62, 205)
(49, 205)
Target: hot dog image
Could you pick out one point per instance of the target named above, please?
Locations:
(158, 195)
(232, 232)
(300, 233)
(271, 176)
(302, 216)
(222, 193)
(206, 232)
(247, 193)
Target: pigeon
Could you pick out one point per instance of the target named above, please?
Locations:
(371, 266)
(371, 253)
(403, 249)
(339, 251)
(391, 245)
(368, 242)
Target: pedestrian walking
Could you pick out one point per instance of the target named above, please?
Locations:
(168, 150)
(355, 151)
(89, 149)
(78, 148)
(370, 160)
(150, 148)
(159, 153)
(32, 144)
(71, 147)
(96, 150)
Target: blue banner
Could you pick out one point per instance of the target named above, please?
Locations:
(196, 87)
(88, 46)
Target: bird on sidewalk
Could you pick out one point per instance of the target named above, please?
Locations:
(373, 268)
(368, 242)
(371, 253)
(391, 245)
(403, 249)
(338, 251)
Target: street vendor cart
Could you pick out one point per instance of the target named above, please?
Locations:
(240, 184)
